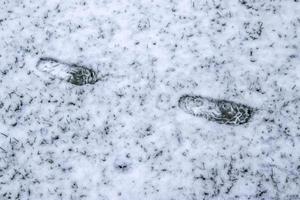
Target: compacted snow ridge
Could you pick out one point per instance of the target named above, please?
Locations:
(149, 100)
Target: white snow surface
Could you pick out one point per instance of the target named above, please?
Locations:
(125, 137)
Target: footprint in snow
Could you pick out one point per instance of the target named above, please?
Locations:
(72, 73)
(220, 111)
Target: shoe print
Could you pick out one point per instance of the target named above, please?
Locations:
(220, 111)
(72, 73)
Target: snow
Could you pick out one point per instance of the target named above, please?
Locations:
(125, 137)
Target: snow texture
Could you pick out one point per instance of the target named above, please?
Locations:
(124, 136)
